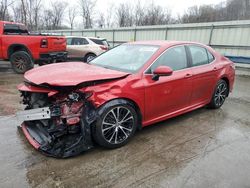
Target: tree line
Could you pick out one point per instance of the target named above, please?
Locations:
(60, 15)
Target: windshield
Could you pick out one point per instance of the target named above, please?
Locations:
(127, 57)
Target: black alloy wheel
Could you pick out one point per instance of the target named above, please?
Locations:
(220, 94)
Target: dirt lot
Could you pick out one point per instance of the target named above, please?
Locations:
(204, 148)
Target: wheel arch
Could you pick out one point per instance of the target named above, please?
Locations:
(123, 100)
(225, 78)
(88, 53)
(18, 47)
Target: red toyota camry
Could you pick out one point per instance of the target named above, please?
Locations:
(71, 106)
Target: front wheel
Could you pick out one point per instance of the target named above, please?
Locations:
(116, 126)
(219, 95)
(21, 62)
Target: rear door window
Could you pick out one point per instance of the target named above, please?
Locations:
(79, 41)
(200, 55)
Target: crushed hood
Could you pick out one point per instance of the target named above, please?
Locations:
(70, 74)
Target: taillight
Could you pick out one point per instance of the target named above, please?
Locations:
(104, 48)
(44, 43)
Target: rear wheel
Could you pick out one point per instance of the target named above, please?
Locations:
(116, 126)
(219, 95)
(89, 57)
(21, 62)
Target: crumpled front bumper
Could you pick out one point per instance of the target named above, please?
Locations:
(58, 142)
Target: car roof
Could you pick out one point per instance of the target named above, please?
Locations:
(85, 37)
(98, 38)
(164, 43)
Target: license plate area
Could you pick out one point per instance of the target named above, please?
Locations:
(34, 114)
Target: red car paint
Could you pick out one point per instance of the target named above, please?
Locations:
(33, 142)
(183, 91)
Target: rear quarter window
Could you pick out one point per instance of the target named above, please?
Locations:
(15, 29)
(210, 57)
(99, 42)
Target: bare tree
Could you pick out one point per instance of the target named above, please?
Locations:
(4, 5)
(156, 15)
(124, 15)
(229, 10)
(238, 9)
(36, 13)
(48, 19)
(53, 16)
(29, 12)
(105, 19)
(24, 11)
(58, 9)
(139, 13)
(109, 16)
(17, 12)
(87, 11)
(72, 13)
(101, 21)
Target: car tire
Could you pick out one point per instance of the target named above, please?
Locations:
(21, 62)
(116, 125)
(89, 57)
(220, 94)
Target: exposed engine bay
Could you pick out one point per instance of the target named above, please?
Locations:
(59, 126)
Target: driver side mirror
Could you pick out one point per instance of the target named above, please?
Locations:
(161, 71)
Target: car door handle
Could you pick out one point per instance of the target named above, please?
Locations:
(215, 68)
(188, 75)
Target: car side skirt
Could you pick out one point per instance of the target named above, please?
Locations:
(174, 114)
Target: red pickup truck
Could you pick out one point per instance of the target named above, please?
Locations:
(24, 49)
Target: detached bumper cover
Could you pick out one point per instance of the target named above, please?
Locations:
(45, 143)
(31, 140)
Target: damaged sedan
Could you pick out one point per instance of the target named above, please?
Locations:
(71, 106)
